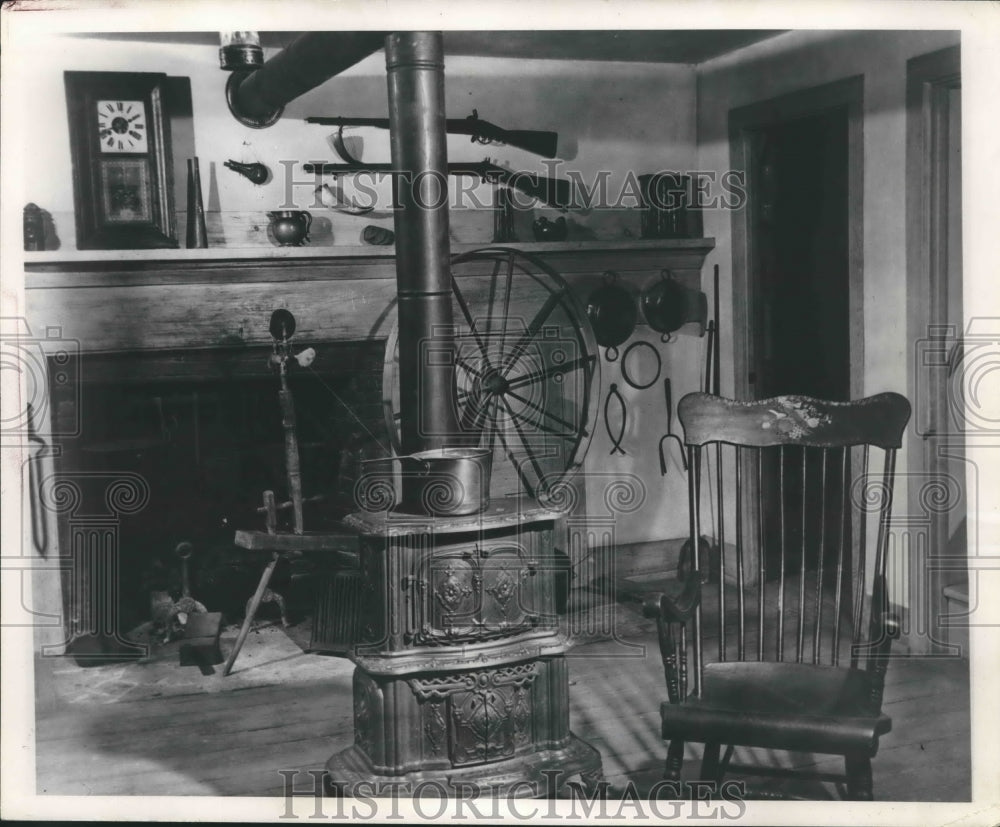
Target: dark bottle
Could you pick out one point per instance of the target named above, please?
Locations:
(34, 228)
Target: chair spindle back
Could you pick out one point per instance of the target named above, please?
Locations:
(807, 485)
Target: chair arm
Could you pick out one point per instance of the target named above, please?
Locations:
(885, 627)
(891, 626)
(679, 609)
(668, 611)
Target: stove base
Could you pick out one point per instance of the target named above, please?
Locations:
(541, 774)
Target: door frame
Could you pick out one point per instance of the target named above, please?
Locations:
(929, 80)
(744, 121)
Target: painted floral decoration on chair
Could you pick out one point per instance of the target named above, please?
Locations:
(796, 419)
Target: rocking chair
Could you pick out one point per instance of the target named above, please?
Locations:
(791, 639)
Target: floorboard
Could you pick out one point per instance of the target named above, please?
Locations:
(163, 730)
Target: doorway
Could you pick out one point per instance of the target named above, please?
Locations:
(797, 276)
(800, 256)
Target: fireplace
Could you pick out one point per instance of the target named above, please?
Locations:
(189, 440)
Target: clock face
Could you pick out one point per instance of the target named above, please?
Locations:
(121, 126)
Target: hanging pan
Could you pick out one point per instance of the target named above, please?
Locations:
(613, 314)
(668, 305)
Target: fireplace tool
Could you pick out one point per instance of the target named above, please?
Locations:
(200, 628)
(670, 436)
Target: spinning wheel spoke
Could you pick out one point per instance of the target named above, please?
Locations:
(506, 299)
(570, 428)
(532, 331)
(475, 410)
(470, 321)
(525, 480)
(549, 373)
(539, 473)
(460, 362)
(493, 422)
(479, 418)
(492, 298)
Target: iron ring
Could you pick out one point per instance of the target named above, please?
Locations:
(625, 374)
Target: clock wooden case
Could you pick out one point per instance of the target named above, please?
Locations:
(120, 143)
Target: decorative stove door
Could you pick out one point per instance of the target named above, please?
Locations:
(492, 720)
(476, 592)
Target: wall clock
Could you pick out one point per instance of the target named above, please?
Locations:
(120, 143)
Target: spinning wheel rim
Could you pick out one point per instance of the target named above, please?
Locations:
(507, 385)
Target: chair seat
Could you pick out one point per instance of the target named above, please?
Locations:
(789, 706)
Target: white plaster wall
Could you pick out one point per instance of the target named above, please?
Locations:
(609, 116)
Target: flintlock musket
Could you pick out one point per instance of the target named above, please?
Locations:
(536, 141)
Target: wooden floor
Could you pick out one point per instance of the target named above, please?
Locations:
(167, 730)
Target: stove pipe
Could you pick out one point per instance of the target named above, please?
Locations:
(256, 98)
(415, 69)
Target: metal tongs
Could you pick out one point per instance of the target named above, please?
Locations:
(668, 398)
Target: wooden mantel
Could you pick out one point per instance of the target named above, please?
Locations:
(115, 301)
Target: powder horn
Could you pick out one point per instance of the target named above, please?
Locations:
(256, 173)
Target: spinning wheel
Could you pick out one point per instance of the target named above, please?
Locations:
(526, 370)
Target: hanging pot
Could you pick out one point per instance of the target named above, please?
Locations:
(613, 314)
(665, 305)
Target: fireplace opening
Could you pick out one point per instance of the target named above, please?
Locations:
(204, 435)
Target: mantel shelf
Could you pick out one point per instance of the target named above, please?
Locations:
(59, 260)
(128, 300)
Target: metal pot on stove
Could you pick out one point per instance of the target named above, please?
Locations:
(440, 482)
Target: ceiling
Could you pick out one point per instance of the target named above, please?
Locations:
(673, 46)
(651, 46)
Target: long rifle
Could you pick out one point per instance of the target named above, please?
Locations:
(482, 132)
(553, 191)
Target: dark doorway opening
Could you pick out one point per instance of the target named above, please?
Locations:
(797, 288)
(800, 228)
